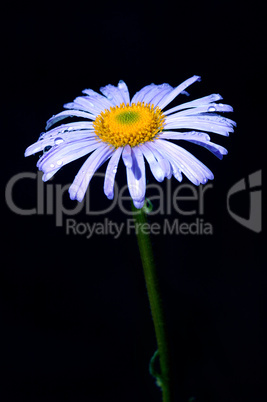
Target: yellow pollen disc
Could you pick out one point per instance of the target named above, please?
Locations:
(129, 124)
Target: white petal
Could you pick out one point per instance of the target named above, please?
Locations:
(136, 177)
(176, 91)
(204, 109)
(79, 186)
(116, 95)
(127, 156)
(111, 173)
(139, 204)
(195, 170)
(87, 104)
(163, 162)
(198, 138)
(195, 103)
(161, 92)
(68, 113)
(124, 91)
(65, 153)
(139, 96)
(155, 167)
(157, 93)
(212, 123)
(47, 176)
(97, 98)
(54, 138)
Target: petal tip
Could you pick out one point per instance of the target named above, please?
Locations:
(139, 204)
(27, 152)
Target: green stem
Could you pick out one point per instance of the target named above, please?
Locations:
(155, 301)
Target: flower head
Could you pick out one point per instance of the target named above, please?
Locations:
(136, 130)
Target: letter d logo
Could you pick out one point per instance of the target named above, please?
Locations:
(254, 220)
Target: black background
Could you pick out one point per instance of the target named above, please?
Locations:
(75, 320)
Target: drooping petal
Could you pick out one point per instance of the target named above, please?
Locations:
(198, 138)
(176, 91)
(111, 173)
(68, 113)
(136, 178)
(195, 170)
(163, 162)
(154, 165)
(167, 163)
(127, 156)
(48, 175)
(79, 186)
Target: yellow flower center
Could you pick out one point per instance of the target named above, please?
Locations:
(129, 124)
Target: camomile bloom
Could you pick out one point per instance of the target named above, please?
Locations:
(136, 130)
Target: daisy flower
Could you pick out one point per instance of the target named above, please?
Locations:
(138, 129)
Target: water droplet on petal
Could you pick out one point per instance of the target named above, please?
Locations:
(60, 162)
(212, 109)
(41, 136)
(114, 169)
(52, 165)
(58, 140)
(46, 149)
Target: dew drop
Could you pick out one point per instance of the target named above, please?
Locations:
(46, 149)
(121, 84)
(212, 109)
(58, 140)
(60, 162)
(52, 165)
(114, 169)
(41, 136)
